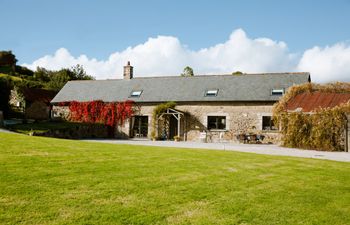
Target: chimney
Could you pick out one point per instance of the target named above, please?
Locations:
(128, 71)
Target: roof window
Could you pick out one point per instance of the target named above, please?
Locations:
(277, 91)
(211, 93)
(136, 94)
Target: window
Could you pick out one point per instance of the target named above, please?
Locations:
(211, 93)
(216, 122)
(135, 94)
(267, 123)
(277, 91)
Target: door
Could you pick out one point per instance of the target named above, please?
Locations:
(139, 128)
(172, 127)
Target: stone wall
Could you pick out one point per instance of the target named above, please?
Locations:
(240, 118)
(60, 112)
(16, 100)
(347, 134)
(38, 111)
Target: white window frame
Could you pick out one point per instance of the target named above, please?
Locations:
(226, 115)
(211, 93)
(136, 93)
(276, 91)
(260, 122)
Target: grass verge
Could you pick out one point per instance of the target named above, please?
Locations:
(55, 181)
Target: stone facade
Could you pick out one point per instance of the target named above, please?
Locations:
(241, 117)
(31, 103)
(38, 111)
(17, 100)
(60, 112)
(347, 134)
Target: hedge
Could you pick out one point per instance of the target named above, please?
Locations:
(321, 129)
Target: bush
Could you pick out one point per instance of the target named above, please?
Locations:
(322, 129)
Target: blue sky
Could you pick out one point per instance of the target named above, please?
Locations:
(97, 29)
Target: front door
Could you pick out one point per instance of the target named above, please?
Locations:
(139, 127)
(172, 127)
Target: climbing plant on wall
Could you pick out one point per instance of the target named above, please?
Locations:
(321, 129)
(111, 114)
(159, 109)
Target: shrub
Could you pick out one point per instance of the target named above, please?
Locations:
(322, 129)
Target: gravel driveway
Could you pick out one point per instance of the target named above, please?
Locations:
(252, 148)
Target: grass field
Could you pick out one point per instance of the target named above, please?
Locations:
(52, 181)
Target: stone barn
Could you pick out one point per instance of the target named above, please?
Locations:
(217, 106)
(33, 103)
(313, 101)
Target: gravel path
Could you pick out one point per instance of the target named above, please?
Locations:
(5, 131)
(252, 148)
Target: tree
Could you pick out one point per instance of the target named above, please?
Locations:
(79, 73)
(42, 74)
(7, 62)
(187, 72)
(58, 79)
(7, 58)
(237, 73)
(23, 71)
(5, 88)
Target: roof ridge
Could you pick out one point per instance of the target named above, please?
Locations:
(208, 75)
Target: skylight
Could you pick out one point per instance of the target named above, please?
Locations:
(136, 94)
(212, 92)
(277, 91)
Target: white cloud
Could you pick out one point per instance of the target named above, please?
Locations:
(165, 55)
(331, 63)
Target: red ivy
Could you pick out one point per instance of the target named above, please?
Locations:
(111, 114)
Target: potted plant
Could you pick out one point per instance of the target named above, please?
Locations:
(153, 136)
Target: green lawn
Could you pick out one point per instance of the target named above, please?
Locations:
(55, 181)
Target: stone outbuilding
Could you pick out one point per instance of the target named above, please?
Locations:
(33, 103)
(310, 102)
(217, 106)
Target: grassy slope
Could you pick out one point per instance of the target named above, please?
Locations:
(11, 77)
(51, 181)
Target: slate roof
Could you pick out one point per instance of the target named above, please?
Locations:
(307, 102)
(247, 87)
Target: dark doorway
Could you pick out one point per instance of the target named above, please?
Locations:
(139, 127)
(172, 127)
